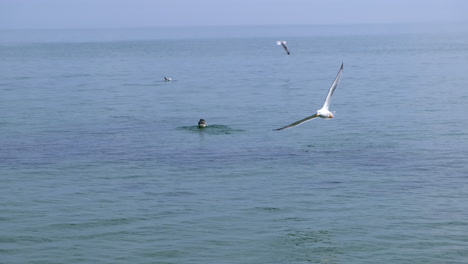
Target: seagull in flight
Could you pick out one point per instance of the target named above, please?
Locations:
(323, 112)
(283, 43)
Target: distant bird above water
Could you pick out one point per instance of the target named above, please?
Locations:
(202, 123)
(323, 112)
(167, 79)
(283, 43)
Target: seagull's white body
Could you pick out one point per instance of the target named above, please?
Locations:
(283, 43)
(323, 112)
(167, 79)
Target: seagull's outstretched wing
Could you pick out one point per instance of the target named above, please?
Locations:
(298, 122)
(283, 43)
(335, 83)
(285, 48)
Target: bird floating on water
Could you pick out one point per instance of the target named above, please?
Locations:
(202, 123)
(283, 43)
(323, 112)
(167, 79)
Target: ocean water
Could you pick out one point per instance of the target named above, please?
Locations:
(101, 160)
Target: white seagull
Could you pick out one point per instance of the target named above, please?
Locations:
(323, 112)
(283, 43)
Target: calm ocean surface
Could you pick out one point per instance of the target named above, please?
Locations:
(101, 160)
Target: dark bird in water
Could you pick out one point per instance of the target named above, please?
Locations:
(283, 43)
(323, 112)
(202, 123)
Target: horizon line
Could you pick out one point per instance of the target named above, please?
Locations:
(461, 22)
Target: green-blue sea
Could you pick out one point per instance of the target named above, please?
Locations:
(101, 160)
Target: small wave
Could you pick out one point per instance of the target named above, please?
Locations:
(211, 129)
(74, 75)
(7, 86)
(22, 77)
(267, 208)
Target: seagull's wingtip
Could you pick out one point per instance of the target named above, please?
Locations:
(281, 128)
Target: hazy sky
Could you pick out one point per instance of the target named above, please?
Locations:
(150, 13)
